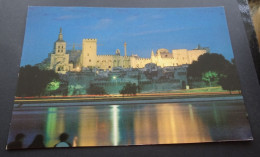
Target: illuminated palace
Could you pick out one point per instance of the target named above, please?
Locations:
(90, 59)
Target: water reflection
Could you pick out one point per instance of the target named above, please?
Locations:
(115, 134)
(135, 124)
(54, 126)
(145, 125)
(88, 129)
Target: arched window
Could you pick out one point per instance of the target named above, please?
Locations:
(60, 68)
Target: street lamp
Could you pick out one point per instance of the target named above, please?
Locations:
(78, 69)
(114, 78)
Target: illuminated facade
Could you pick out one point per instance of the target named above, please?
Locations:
(162, 57)
(90, 59)
(60, 60)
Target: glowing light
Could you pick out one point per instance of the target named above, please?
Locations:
(51, 125)
(54, 85)
(191, 112)
(78, 69)
(114, 77)
(88, 130)
(115, 125)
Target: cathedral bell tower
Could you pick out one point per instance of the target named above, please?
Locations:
(60, 60)
(60, 44)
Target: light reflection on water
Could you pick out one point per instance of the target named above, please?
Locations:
(106, 125)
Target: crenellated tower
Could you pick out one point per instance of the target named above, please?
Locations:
(89, 53)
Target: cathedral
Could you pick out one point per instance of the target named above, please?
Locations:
(60, 60)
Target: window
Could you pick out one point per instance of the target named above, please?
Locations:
(58, 46)
(109, 66)
(58, 50)
(90, 60)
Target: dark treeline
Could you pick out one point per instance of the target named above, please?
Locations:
(33, 81)
(215, 70)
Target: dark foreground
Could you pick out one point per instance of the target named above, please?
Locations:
(134, 124)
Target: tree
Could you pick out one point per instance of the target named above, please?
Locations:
(202, 70)
(33, 81)
(129, 88)
(230, 81)
(210, 76)
(95, 90)
(208, 62)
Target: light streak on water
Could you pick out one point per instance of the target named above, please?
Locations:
(115, 125)
(138, 124)
(51, 124)
(191, 112)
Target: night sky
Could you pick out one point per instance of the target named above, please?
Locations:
(143, 30)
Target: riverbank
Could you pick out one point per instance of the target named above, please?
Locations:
(63, 104)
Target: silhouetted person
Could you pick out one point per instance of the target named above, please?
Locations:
(37, 142)
(63, 141)
(17, 143)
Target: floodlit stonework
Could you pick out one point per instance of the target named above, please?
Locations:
(60, 60)
(162, 57)
(90, 59)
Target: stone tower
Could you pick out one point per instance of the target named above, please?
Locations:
(125, 48)
(152, 57)
(60, 44)
(60, 60)
(88, 57)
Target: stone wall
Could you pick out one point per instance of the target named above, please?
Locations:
(78, 83)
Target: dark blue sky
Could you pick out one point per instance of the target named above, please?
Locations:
(142, 29)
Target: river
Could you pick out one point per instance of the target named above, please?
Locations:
(134, 124)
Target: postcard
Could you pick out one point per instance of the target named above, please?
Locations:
(93, 76)
(255, 13)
